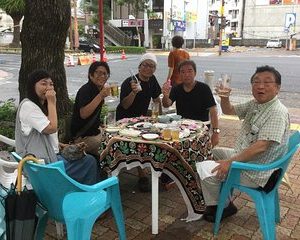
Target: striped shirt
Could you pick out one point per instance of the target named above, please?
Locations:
(268, 121)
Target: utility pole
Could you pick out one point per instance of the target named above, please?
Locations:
(221, 26)
(101, 30)
(76, 35)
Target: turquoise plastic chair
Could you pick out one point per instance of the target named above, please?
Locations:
(266, 203)
(74, 204)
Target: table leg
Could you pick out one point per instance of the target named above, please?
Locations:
(155, 189)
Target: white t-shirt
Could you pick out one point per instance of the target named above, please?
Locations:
(31, 116)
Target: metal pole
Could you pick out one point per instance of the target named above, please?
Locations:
(221, 28)
(101, 29)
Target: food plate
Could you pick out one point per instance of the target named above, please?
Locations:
(129, 132)
(160, 125)
(150, 136)
(112, 129)
(144, 125)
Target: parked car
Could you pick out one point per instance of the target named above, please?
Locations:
(88, 46)
(274, 43)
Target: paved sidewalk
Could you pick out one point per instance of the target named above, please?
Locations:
(243, 225)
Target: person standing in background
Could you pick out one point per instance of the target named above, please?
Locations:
(176, 56)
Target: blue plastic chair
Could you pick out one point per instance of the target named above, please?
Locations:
(266, 204)
(74, 204)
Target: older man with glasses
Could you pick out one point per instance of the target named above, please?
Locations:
(88, 104)
(136, 93)
(262, 139)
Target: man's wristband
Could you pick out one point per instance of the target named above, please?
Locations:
(216, 130)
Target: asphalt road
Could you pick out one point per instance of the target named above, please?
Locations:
(241, 65)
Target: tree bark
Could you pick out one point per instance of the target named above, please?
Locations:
(43, 38)
(16, 37)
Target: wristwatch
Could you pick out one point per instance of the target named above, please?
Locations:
(216, 130)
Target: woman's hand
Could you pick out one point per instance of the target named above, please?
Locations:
(51, 96)
(134, 87)
(166, 89)
(105, 91)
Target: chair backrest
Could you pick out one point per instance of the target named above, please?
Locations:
(283, 162)
(51, 185)
(8, 172)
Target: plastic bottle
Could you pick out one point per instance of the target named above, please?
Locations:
(135, 79)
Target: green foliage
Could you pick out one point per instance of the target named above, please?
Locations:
(91, 6)
(13, 6)
(8, 113)
(136, 5)
(127, 49)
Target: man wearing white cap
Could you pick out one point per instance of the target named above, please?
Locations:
(134, 102)
(135, 97)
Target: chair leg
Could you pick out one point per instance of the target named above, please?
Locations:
(277, 207)
(80, 229)
(59, 230)
(265, 210)
(118, 211)
(42, 222)
(224, 194)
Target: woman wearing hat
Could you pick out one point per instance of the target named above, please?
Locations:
(36, 129)
(135, 98)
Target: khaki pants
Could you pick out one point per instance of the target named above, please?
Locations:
(93, 143)
(211, 185)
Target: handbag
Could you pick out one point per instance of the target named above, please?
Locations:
(20, 208)
(74, 152)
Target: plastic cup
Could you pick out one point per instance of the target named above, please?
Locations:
(175, 134)
(167, 134)
(223, 85)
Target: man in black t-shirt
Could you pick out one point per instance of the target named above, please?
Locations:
(194, 100)
(135, 102)
(135, 97)
(88, 104)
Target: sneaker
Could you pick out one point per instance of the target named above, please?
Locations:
(144, 184)
(210, 214)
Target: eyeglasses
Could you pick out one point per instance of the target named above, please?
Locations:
(146, 65)
(101, 74)
(266, 83)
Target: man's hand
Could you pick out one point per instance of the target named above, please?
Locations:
(222, 169)
(166, 89)
(134, 87)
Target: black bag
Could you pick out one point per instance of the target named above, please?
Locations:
(20, 209)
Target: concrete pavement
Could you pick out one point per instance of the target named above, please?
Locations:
(244, 225)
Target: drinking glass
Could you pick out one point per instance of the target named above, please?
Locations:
(175, 133)
(155, 110)
(114, 89)
(223, 85)
(167, 134)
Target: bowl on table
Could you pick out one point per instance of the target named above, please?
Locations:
(163, 118)
(175, 117)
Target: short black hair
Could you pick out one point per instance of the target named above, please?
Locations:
(187, 62)
(33, 78)
(94, 67)
(270, 69)
(177, 41)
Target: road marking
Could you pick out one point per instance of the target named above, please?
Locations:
(293, 126)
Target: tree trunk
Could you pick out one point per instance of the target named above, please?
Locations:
(43, 38)
(16, 38)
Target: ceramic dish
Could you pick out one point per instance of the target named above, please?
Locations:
(159, 125)
(163, 119)
(150, 136)
(112, 129)
(129, 132)
(175, 117)
(142, 125)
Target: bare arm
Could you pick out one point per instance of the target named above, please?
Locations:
(52, 113)
(245, 156)
(214, 122)
(227, 107)
(170, 73)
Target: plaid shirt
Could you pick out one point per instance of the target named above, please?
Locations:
(268, 121)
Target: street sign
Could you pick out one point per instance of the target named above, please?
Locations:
(290, 20)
